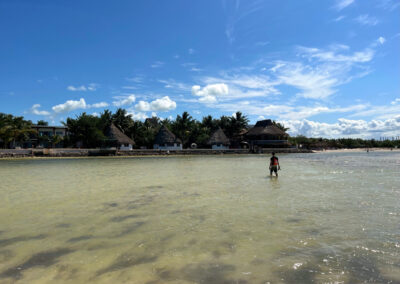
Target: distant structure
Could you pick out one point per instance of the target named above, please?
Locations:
(45, 131)
(218, 140)
(266, 135)
(166, 140)
(119, 139)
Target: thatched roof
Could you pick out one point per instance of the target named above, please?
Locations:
(266, 127)
(114, 133)
(165, 136)
(218, 137)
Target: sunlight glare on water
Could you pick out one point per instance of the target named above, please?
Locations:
(329, 217)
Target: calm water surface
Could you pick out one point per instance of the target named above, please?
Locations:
(328, 218)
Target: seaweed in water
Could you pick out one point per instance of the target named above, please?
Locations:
(63, 225)
(209, 273)
(10, 241)
(80, 238)
(123, 218)
(5, 255)
(131, 228)
(125, 261)
(44, 259)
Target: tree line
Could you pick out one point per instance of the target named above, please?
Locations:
(90, 131)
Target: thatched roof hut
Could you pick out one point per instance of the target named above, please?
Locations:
(166, 137)
(266, 134)
(114, 134)
(265, 128)
(218, 138)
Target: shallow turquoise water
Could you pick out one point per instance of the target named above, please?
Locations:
(328, 218)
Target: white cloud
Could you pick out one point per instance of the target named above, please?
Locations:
(172, 84)
(157, 64)
(35, 110)
(345, 128)
(142, 106)
(389, 4)
(338, 19)
(314, 82)
(96, 114)
(69, 105)
(367, 20)
(208, 99)
(341, 4)
(136, 79)
(98, 105)
(211, 90)
(396, 101)
(124, 101)
(381, 40)
(163, 104)
(83, 88)
(209, 93)
(331, 55)
(137, 115)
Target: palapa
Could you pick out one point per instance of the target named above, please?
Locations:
(266, 127)
(218, 138)
(165, 136)
(117, 135)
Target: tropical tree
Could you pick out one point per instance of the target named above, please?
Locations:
(85, 130)
(182, 127)
(280, 126)
(122, 120)
(237, 123)
(42, 122)
(14, 129)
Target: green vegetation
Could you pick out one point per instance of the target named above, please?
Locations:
(341, 143)
(14, 130)
(90, 131)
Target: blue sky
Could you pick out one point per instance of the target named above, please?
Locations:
(324, 68)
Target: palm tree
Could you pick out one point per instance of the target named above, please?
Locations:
(182, 126)
(238, 122)
(122, 120)
(280, 126)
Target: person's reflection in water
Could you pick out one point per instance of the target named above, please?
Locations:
(274, 181)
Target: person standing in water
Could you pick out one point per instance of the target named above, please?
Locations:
(274, 165)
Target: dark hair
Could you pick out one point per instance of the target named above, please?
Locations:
(273, 153)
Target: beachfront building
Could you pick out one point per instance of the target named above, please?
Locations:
(118, 139)
(46, 135)
(218, 140)
(166, 140)
(266, 135)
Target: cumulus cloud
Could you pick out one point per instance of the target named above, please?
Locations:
(344, 128)
(69, 105)
(162, 104)
(341, 4)
(35, 110)
(367, 20)
(83, 88)
(210, 92)
(137, 115)
(124, 101)
(98, 105)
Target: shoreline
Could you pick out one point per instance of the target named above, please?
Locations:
(356, 150)
(70, 153)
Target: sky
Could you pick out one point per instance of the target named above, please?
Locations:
(323, 68)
